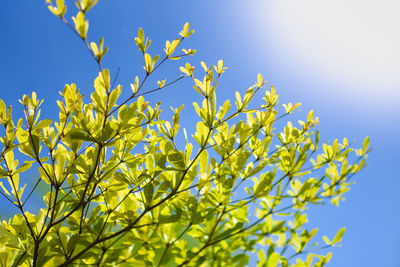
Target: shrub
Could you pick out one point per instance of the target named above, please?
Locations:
(122, 192)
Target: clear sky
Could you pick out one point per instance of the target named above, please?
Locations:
(340, 58)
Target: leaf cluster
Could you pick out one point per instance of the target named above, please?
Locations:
(122, 192)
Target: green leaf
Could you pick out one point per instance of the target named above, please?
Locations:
(338, 236)
(24, 167)
(81, 25)
(273, 260)
(72, 242)
(78, 135)
(185, 33)
(148, 193)
(365, 145)
(171, 218)
(43, 124)
(238, 101)
(177, 159)
(58, 10)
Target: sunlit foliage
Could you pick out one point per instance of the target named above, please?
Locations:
(123, 192)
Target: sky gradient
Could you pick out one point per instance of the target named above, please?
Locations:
(340, 58)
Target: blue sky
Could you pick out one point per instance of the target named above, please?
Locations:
(340, 58)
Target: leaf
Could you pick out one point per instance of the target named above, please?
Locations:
(148, 193)
(238, 101)
(58, 10)
(81, 25)
(220, 68)
(3, 173)
(140, 40)
(365, 145)
(24, 167)
(72, 242)
(260, 81)
(43, 124)
(176, 159)
(114, 95)
(258, 168)
(147, 63)
(78, 135)
(265, 185)
(338, 236)
(185, 33)
(171, 218)
(273, 260)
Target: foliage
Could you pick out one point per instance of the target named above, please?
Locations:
(122, 192)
